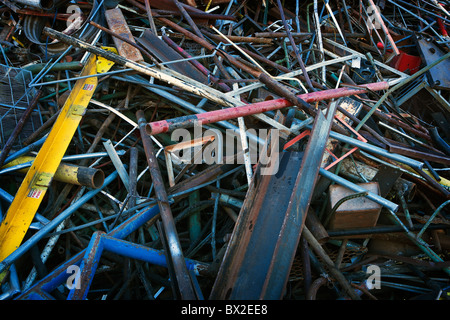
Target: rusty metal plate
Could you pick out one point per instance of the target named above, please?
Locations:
(165, 53)
(117, 23)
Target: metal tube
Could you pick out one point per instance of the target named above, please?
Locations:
(117, 163)
(199, 66)
(330, 264)
(191, 107)
(419, 235)
(68, 173)
(383, 26)
(377, 150)
(255, 108)
(175, 251)
(374, 197)
(294, 46)
(26, 149)
(399, 85)
(62, 66)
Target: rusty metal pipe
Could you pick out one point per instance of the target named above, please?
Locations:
(280, 67)
(188, 18)
(255, 108)
(175, 252)
(67, 173)
(211, 47)
(315, 286)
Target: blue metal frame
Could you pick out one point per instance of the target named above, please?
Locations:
(101, 242)
(111, 241)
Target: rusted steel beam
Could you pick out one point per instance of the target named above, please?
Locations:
(255, 108)
(294, 220)
(244, 267)
(264, 242)
(176, 254)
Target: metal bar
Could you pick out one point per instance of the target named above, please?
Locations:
(176, 253)
(294, 46)
(117, 23)
(383, 27)
(435, 213)
(117, 163)
(26, 149)
(330, 264)
(38, 178)
(65, 172)
(294, 221)
(189, 106)
(88, 266)
(101, 242)
(399, 85)
(374, 197)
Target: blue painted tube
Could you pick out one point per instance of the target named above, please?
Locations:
(5, 196)
(60, 275)
(53, 224)
(133, 223)
(137, 251)
(54, 279)
(14, 284)
(100, 242)
(25, 150)
(357, 188)
(88, 267)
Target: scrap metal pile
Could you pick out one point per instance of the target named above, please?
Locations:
(224, 150)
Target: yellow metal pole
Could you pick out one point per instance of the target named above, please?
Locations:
(35, 184)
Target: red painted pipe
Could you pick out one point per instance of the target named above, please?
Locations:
(255, 108)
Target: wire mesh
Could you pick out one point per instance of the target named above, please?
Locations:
(15, 96)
